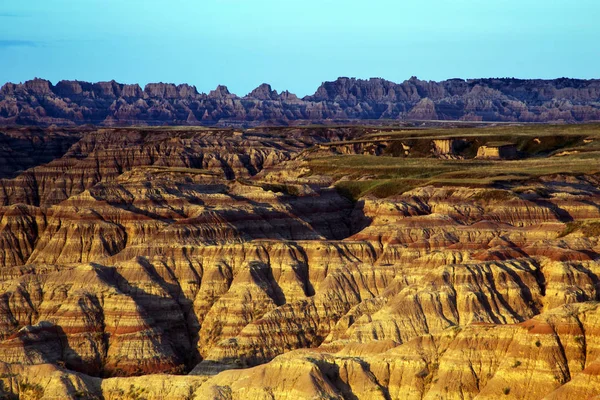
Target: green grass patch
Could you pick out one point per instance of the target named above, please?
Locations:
(394, 187)
(353, 190)
(495, 133)
(361, 174)
(373, 167)
(383, 176)
(381, 188)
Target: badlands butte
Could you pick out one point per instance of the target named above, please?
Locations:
(39, 102)
(316, 262)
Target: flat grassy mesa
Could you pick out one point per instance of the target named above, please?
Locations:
(219, 264)
(542, 150)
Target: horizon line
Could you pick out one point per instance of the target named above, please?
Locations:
(177, 85)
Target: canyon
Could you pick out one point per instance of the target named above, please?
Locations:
(299, 262)
(68, 103)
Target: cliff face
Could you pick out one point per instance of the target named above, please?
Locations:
(21, 149)
(38, 102)
(228, 256)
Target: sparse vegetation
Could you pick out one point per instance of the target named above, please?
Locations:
(494, 195)
(506, 391)
(135, 393)
(587, 228)
(117, 392)
(520, 134)
(570, 227)
(353, 190)
(422, 373)
(591, 229)
(388, 175)
(516, 364)
(31, 390)
(191, 392)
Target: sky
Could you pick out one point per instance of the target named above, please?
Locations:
(296, 45)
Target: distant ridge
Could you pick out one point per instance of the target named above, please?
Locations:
(39, 102)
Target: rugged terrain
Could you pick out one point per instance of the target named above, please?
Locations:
(339, 262)
(39, 102)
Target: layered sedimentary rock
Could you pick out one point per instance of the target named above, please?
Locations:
(111, 103)
(554, 355)
(104, 154)
(23, 148)
(218, 255)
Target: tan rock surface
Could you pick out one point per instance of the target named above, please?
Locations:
(156, 253)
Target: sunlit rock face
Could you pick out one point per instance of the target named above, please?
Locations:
(201, 264)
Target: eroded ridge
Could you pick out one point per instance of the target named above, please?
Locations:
(254, 265)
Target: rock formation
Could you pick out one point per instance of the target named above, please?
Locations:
(39, 102)
(187, 263)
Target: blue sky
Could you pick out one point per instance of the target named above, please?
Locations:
(296, 45)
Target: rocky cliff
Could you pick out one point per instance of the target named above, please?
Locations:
(219, 264)
(39, 102)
